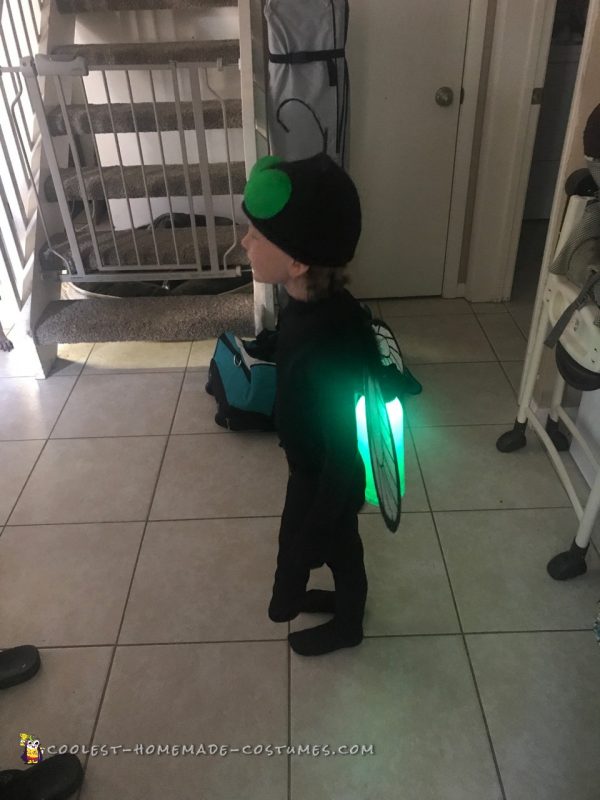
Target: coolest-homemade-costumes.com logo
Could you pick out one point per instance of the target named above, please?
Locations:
(31, 752)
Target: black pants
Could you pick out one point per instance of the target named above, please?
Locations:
(340, 547)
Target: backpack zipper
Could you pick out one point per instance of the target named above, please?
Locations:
(237, 358)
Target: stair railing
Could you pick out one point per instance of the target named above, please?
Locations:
(20, 33)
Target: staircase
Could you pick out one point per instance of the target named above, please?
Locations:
(146, 149)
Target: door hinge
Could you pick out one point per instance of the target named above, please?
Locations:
(536, 96)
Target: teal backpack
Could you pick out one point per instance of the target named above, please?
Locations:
(243, 382)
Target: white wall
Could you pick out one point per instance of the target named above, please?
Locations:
(588, 422)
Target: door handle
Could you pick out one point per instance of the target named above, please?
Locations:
(444, 96)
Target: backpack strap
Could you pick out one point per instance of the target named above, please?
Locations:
(582, 299)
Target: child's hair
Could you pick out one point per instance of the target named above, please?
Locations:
(322, 282)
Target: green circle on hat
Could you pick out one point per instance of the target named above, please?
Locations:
(268, 189)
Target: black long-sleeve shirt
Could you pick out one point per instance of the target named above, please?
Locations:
(323, 347)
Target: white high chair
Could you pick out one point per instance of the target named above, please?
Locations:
(581, 339)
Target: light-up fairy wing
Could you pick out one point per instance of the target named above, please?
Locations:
(388, 346)
(383, 452)
(396, 377)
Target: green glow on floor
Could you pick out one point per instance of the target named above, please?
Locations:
(396, 417)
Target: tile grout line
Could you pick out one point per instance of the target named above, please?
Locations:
(118, 436)
(188, 369)
(523, 335)
(47, 439)
(462, 634)
(187, 361)
(411, 363)
(123, 435)
(412, 427)
(133, 371)
(277, 516)
(33, 377)
(373, 637)
(146, 523)
(440, 313)
(139, 370)
(513, 389)
(461, 425)
(489, 341)
(470, 667)
(514, 319)
(212, 641)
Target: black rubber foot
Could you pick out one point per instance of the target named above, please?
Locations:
(569, 564)
(559, 440)
(18, 664)
(513, 440)
(55, 778)
(222, 420)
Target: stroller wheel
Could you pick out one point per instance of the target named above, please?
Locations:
(208, 388)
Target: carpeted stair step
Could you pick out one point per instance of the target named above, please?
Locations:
(146, 249)
(81, 6)
(155, 181)
(145, 118)
(162, 319)
(202, 52)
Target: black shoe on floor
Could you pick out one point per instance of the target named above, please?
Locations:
(281, 612)
(18, 664)
(56, 778)
(324, 639)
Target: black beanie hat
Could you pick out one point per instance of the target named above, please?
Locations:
(309, 208)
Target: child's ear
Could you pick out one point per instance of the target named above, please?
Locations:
(298, 269)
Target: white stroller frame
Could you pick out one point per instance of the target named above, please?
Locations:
(554, 294)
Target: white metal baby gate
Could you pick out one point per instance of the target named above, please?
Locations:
(119, 162)
(125, 172)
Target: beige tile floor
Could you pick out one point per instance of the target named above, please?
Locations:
(137, 547)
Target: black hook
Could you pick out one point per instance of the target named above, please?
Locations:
(324, 132)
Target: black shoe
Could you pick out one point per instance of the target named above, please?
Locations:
(281, 612)
(6, 776)
(18, 664)
(324, 639)
(56, 778)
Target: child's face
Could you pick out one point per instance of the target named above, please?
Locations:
(269, 263)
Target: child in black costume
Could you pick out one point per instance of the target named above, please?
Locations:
(305, 224)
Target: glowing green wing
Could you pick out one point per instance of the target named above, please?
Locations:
(383, 451)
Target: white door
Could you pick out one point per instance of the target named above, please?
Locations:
(402, 141)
